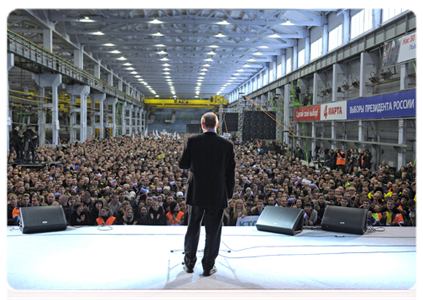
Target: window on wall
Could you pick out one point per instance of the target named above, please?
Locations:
(288, 66)
(361, 22)
(301, 58)
(335, 38)
(316, 49)
(389, 13)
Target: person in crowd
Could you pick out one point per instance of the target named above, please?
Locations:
(157, 214)
(174, 217)
(79, 216)
(392, 215)
(128, 217)
(95, 212)
(238, 211)
(310, 216)
(258, 209)
(105, 217)
(143, 218)
(121, 212)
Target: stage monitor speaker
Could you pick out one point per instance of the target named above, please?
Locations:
(344, 219)
(281, 220)
(42, 219)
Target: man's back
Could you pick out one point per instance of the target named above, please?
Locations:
(210, 159)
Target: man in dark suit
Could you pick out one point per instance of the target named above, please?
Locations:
(211, 162)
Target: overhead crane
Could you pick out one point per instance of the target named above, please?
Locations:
(213, 103)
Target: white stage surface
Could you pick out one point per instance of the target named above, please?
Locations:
(150, 258)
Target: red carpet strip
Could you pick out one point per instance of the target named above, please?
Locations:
(214, 294)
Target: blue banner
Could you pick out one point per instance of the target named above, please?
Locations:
(401, 104)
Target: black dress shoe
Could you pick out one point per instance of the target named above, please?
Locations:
(210, 272)
(189, 265)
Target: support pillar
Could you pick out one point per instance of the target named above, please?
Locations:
(78, 55)
(123, 118)
(136, 120)
(286, 97)
(402, 137)
(82, 91)
(53, 81)
(99, 97)
(10, 64)
(113, 102)
(48, 39)
(128, 108)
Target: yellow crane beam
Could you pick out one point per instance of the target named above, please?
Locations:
(213, 102)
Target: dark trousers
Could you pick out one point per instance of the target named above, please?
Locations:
(213, 222)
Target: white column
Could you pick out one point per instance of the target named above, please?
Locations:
(10, 64)
(53, 81)
(112, 102)
(333, 133)
(41, 120)
(136, 120)
(346, 27)
(402, 136)
(129, 108)
(325, 39)
(82, 91)
(98, 97)
(307, 50)
(78, 55)
(286, 134)
(123, 118)
(97, 68)
(48, 39)
(295, 58)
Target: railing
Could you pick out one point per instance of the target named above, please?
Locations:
(23, 47)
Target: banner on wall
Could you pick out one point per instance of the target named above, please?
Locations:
(307, 113)
(408, 48)
(333, 111)
(401, 104)
(399, 50)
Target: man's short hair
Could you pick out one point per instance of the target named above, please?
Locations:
(209, 120)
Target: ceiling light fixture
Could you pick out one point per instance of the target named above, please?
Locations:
(109, 44)
(155, 21)
(219, 35)
(287, 22)
(98, 33)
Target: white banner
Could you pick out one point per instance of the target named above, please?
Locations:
(333, 111)
(247, 221)
(407, 49)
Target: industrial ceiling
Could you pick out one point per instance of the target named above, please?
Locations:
(187, 53)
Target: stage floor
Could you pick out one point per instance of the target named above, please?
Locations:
(150, 258)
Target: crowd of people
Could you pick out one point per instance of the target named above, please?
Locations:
(136, 180)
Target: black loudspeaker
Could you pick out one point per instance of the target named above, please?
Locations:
(42, 219)
(281, 220)
(344, 219)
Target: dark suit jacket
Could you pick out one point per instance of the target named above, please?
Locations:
(211, 161)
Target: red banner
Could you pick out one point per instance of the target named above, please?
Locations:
(307, 113)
